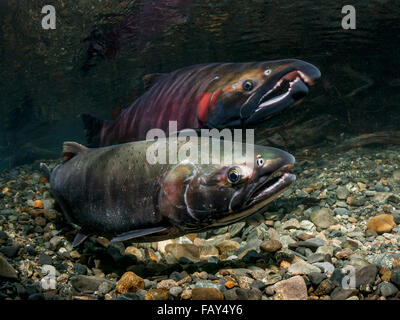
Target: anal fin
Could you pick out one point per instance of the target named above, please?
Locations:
(79, 238)
(137, 233)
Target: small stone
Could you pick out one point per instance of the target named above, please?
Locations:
(83, 283)
(186, 294)
(38, 204)
(229, 284)
(325, 288)
(80, 268)
(284, 254)
(325, 250)
(105, 287)
(134, 251)
(381, 223)
(175, 291)
(366, 275)
(395, 278)
(185, 250)
(322, 218)
(344, 254)
(75, 254)
(316, 257)
(396, 263)
(270, 246)
(208, 252)
(207, 294)
(228, 247)
(302, 267)
(343, 294)
(156, 294)
(44, 259)
(9, 251)
(291, 289)
(166, 284)
(325, 267)
(129, 283)
(342, 193)
(355, 202)
(387, 289)
(40, 221)
(284, 264)
(231, 294)
(55, 242)
(258, 284)
(291, 224)
(103, 242)
(245, 282)
(307, 225)
(316, 277)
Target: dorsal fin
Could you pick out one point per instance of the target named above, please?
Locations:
(71, 149)
(150, 79)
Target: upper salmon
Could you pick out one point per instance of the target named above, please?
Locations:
(217, 95)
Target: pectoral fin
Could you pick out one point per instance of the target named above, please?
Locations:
(137, 234)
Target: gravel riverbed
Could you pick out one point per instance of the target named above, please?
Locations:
(333, 235)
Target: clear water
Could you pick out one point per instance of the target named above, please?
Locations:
(94, 61)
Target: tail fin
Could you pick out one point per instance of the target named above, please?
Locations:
(93, 128)
(45, 170)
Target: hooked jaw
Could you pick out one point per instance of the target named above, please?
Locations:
(284, 89)
(272, 186)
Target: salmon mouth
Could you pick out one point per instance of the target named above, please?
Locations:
(284, 89)
(292, 86)
(272, 186)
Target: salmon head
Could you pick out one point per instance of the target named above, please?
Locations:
(202, 197)
(245, 94)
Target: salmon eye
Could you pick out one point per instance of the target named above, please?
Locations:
(248, 85)
(260, 162)
(234, 175)
(267, 72)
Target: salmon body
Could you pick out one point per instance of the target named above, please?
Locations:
(115, 192)
(218, 95)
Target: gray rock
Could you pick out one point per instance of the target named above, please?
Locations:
(316, 257)
(45, 259)
(342, 193)
(291, 224)
(284, 254)
(307, 225)
(55, 242)
(175, 291)
(395, 278)
(302, 267)
(323, 218)
(343, 294)
(325, 267)
(325, 250)
(366, 275)
(9, 251)
(387, 289)
(88, 283)
(340, 211)
(105, 287)
(231, 294)
(316, 277)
